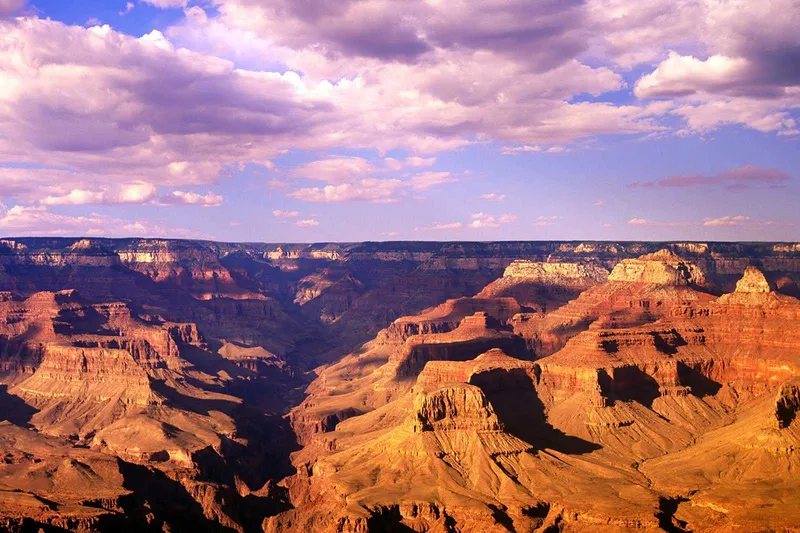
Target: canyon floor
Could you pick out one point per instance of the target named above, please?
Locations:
(168, 385)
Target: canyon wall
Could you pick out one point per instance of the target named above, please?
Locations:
(153, 385)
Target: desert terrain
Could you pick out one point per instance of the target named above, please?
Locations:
(169, 385)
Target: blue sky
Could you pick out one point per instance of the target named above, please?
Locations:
(267, 121)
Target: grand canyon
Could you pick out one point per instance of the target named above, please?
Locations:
(399, 266)
(168, 385)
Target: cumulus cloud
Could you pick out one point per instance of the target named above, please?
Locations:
(455, 93)
(685, 75)
(192, 198)
(177, 117)
(124, 193)
(543, 33)
(249, 80)
(733, 179)
(185, 118)
(746, 54)
(599, 203)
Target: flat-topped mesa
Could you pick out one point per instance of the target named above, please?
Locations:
(82, 253)
(88, 245)
(542, 286)
(475, 335)
(448, 316)
(660, 268)
(437, 373)
(480, 320)
(457, 406)
(753, 281)
(555, 272)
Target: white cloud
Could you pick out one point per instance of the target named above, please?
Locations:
(285, 214)
(482, 220)
(494, 197)
(737, 220)
(426, 180)
(411, 161)
(192, 198)
(26, 220)
(335, 170)
(126, 193)
(513, 150)
(306, 223)
(546, 221)
(684, 75)
(167, 4)
(367, 190)
(441, 227)
(710, 222)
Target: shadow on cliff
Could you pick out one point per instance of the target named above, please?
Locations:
(700, 385)
(628, 384)
(257, 454)
(14, 409)
(513, 396)
(158, 503)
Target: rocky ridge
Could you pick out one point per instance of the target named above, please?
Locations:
(621, 396)
(506, 386)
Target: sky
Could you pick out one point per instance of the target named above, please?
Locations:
(311, 120)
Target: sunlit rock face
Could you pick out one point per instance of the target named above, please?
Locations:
(662, 268)
(153, 385)
(753, 281)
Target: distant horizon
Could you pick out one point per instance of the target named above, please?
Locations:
(313, 243)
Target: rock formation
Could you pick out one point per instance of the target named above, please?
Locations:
(753, 281)
(544, 285)
(157, 385)
(640, 402)
(662, 268)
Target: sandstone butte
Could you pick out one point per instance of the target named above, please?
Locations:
(151, 385)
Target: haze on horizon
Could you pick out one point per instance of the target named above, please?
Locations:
(278, 120)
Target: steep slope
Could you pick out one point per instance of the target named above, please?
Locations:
(133, 390)
(638, 291)
(558, 397)
(590, 438)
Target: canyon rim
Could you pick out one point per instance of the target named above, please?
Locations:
(367, 266)
(162, 385)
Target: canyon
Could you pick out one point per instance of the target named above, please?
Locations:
(175, 385)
